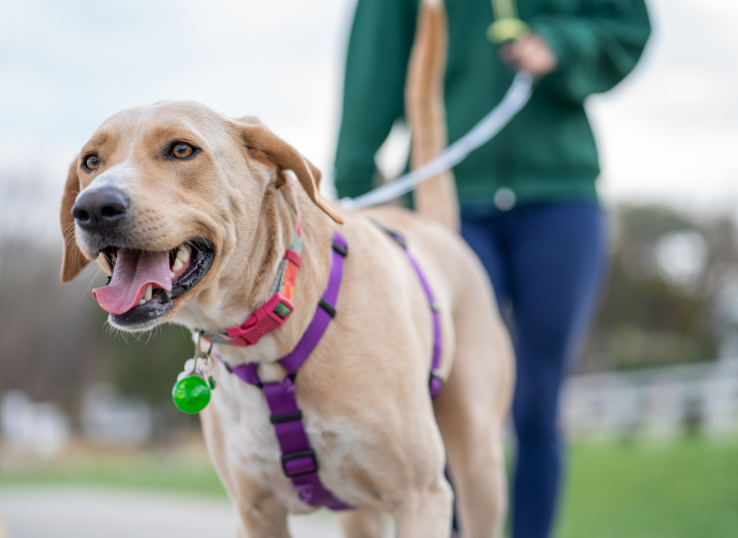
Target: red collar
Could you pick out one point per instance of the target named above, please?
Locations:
(278, 308)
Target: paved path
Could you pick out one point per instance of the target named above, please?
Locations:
(100, 513)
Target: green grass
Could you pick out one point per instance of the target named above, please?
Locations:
(684, 490)
(190, 476)
(688, 489)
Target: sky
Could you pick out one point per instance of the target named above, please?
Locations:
(669, 133)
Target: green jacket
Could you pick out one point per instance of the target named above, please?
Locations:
(548, 150)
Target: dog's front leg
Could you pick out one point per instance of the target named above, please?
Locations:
(364, 522)
(426, 514)
(263, 518)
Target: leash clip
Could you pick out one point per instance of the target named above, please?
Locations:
(205, 355)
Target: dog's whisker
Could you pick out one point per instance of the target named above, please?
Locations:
(89, 284)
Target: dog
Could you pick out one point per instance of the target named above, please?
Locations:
(191, 212)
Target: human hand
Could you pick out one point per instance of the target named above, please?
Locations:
(530, 53)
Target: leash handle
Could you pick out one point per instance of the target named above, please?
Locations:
(506, 26)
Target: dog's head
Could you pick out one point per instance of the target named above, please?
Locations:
(160, 195)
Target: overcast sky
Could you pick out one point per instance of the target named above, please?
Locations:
(670, 132)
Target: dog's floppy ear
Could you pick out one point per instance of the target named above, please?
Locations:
(259, 138)
(73, 261)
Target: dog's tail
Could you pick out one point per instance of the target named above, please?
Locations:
(426, 114)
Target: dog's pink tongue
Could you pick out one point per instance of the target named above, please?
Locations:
(134, 270)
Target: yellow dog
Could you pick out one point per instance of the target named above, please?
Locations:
(191, 213)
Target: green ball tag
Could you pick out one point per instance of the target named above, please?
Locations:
(191, 394)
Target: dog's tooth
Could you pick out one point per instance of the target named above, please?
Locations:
(171, 275)
(148, 293)
(177, 264)
(142, 301)
(183, 255)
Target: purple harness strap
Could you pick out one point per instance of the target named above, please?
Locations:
(298, 458)
(435, 383)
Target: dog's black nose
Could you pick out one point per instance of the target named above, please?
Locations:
(100, 209)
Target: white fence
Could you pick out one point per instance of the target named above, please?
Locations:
(658, 402)
(43, 429)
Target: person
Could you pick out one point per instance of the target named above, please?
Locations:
(527, 198)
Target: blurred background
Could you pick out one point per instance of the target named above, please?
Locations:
(86, 415)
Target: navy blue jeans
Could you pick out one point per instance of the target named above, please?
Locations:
(546, 263)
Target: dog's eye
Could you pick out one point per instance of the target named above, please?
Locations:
(92, 162)
(182, 150)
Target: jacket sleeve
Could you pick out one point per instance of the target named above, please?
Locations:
(596, 47)
(376, 68)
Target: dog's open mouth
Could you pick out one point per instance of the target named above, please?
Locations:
(144, 283)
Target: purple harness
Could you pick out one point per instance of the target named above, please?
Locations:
(299, 461)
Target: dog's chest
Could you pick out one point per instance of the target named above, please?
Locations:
(250, 446)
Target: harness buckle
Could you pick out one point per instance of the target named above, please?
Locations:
(297, 468)
(341, 249)
(286, 417)
(435, 384)
(263, 321)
